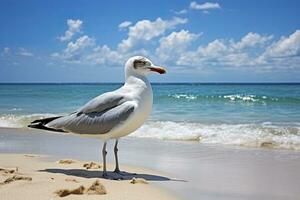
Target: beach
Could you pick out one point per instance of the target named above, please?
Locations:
(181, 169)
(38, 176)
(201, 141)
(26, 176)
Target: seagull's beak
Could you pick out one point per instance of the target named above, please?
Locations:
(157, 69)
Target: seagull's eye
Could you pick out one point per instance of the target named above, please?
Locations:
(138, 63)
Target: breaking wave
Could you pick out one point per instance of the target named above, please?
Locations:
(267, 134)
(20, 121)
(238, 98)
(250, 135)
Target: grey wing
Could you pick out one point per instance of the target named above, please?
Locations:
(99, 116)
(103, 102)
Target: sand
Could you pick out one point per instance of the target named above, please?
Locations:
(38, 177)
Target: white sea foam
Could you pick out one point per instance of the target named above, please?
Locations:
(236, 97)
(248, 98)
(184, 96)
(16, 109)
(251, 135)
(265, 134)
(19, 121)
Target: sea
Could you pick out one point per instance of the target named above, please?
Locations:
(242, 114)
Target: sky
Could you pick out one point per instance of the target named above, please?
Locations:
(197, 41)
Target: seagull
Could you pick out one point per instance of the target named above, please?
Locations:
(114, 114)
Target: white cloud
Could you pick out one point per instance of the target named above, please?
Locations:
(6, 50)
(75, 50)
(174, 44)
(24, 52)
(181, 12)
(205, 6)
(251, 40)
(204, 55)
(83, 50)
(74, 26)
(213, 49)
(282, 54)
(80, 43)
(253, 50)
(5, 53)
(103, 55)
(227, 53)
(285, 47)
(124, 24)
(146, 30)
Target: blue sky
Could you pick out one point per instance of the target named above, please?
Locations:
(198, 41)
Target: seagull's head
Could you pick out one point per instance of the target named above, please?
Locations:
(141, 66)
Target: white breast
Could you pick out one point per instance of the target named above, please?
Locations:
(140, 92)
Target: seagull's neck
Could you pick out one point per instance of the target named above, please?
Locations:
(140, 91)
(138, 80)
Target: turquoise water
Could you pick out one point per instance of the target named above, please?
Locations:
(234, 114)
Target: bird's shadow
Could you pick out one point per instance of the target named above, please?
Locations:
(110, 174)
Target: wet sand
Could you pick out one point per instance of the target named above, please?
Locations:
(193, 170)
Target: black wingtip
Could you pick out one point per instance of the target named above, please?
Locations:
(40, 124)
(45, 120)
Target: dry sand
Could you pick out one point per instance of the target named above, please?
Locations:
(38, 177)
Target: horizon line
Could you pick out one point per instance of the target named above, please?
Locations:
(185, 82)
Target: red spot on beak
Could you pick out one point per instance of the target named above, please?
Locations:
(160, 70)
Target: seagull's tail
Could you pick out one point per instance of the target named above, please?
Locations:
(40, 124)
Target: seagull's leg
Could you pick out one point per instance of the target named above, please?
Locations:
(104, 174)
(117, 169)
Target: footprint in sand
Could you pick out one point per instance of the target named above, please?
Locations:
(16, 178)
(66, 192)
(31, 156)
(8, 171)
(138, 180)
(71, 180)
(95, 188)
(66, 161)
(91, 165)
